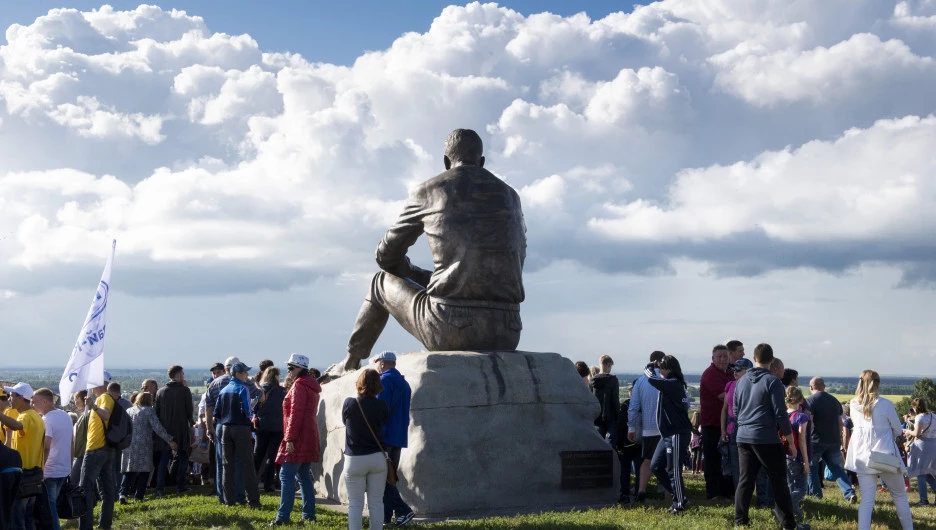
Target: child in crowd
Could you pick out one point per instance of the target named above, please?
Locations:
(200, 456)
(675, 429)
(797, 468)
(696, 444)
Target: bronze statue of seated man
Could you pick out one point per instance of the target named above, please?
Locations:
(471, 300)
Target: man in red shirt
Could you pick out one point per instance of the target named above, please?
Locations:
(711, 397)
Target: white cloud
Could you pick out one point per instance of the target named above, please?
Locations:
(820, 75)
(93, 120)
(860, 187)
(194, 147)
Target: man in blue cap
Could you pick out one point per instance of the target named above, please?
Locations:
(397, 393)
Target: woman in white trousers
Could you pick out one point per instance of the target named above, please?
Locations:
(876, 427)
(365, 468)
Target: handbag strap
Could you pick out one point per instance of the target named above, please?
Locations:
(928, 425)
(358, 401)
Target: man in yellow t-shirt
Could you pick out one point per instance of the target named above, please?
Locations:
(99, 459)
(27, 439)
(7, 410)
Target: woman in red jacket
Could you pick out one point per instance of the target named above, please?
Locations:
(300, 446)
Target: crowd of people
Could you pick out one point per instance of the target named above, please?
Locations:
(246, 429)
(755, 430)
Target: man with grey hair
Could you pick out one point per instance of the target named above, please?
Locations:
(475, 229)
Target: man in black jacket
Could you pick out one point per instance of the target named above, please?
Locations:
(174, 409)
(761, 412)
(606, 390)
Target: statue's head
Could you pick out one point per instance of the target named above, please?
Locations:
(463, 147)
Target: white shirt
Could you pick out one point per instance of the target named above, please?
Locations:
(876, 434)
(926, 425)
(58, 427)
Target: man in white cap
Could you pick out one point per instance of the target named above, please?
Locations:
(28, 437)
(397, 393)
(214, 429)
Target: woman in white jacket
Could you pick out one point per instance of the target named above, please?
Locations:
(876, 427)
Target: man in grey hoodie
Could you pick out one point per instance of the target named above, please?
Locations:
(761, 412)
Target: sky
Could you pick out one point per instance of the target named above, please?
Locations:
(691, 172)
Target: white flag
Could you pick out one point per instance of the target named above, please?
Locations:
(85, 368)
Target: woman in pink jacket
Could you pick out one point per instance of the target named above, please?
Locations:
(300, 446)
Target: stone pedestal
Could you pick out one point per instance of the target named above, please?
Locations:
(486, 435)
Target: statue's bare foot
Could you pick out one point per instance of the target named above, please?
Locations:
(349, 364)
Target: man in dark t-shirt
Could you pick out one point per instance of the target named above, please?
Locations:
(826, 440)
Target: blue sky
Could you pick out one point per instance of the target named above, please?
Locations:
(762, 171)
(336, 32)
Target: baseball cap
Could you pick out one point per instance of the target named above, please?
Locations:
(239, 367)
(22, 389)
(296, 359)
(741, 364)
(216, 366)
(385, 356)
(107, 377)
(229, 362)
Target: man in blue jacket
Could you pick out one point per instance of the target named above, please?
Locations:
(761, 412)
(232, 413)
(396, 392)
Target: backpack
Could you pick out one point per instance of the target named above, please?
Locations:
(796, 443)
(119, 431)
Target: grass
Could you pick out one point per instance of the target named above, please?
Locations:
(195, 510)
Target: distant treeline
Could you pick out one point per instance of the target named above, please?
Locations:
(834, 385)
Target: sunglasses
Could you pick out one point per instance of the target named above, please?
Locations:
(4, 398)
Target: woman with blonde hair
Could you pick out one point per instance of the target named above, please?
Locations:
(876, 426)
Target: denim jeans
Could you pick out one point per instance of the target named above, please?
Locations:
(99, 465)
(922, 482)
(667, 465)
(392, 502)
(53, 488)
(733, 459)
(219, 471)
(796, 480)
(165, 459)
(134, 483)
(765, 497)
(289, 473)
(610, 430)
(831, 454)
